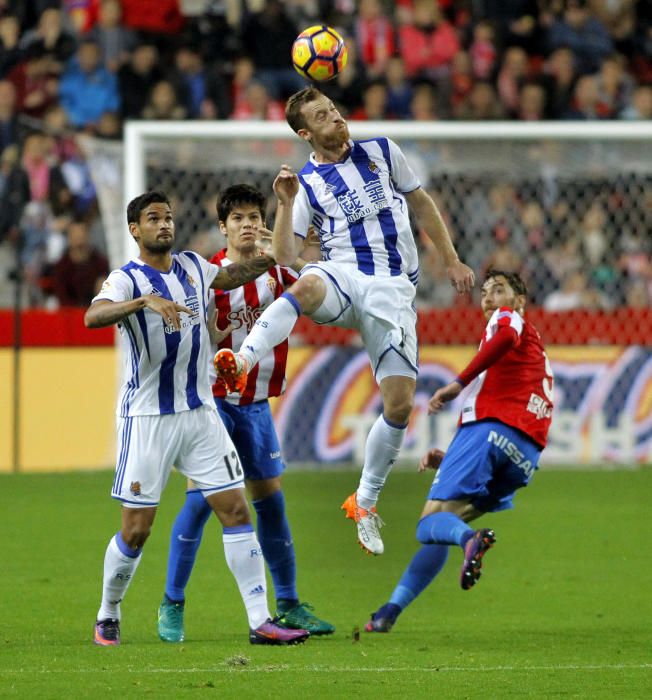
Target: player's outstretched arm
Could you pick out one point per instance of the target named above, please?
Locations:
(105, 312)
(286, 187)
(444, 395)
(237, 274)
(427, 213)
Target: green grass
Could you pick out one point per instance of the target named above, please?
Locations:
(563, 609)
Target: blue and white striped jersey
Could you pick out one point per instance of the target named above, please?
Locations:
(359, 209)
(165, 371)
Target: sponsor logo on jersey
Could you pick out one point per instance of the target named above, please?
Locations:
(135, 488)
(259, 590)
(156, 292)
(539, 406)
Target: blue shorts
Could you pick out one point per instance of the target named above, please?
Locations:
(485, 463)
(253, 433)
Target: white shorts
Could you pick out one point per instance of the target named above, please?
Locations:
(380, 308)
(194, 441)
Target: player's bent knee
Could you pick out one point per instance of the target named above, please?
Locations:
(309, 291)
(230, 507)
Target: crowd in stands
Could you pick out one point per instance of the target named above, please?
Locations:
(87, 66)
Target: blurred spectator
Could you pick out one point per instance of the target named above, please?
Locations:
(585, 102)
(374, 36)
(638, 294)
(374, 103)
(78, 275)
(574, 293)
(35, 81)
(163, 103)
(46, 181)
(87, 88)
(429, 43)
(268, 36)
(619, 18)
(109, 126)
(8, 120)
(512, 75)
(560, 75)
(159, 18)
(347, 88)
(215, 22)
(502, 256)
(14, 192)
(578, 30)
(481, 104)
(593, 237)
(516, 21)
(259, 105)
(201, 90)
(531, 103)
(614, 87)
(82, 14)
(399, 89)
(483, 50)
(461, 79)
(10, 54)
(424, 103)
(641, 104)
(136, 79)
(50, 37)
(115, 41)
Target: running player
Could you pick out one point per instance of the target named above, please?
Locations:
(248, 420)
(355, 193)
(503, 428)
(166, 414)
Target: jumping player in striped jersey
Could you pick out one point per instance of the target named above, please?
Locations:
(166, 413)
(356, 195)
(248, 420)
(504, 424)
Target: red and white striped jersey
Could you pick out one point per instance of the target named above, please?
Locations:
(517, 388)
(241, 308)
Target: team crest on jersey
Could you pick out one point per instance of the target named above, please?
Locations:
(105, 286)
(135, 488)
(270, 283)
(373, 167)
(191, 281)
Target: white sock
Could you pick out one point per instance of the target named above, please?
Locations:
(245, 559)
(119, 570)
(383, 445)
(273, 327)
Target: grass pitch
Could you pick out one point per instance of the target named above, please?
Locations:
(563, 609)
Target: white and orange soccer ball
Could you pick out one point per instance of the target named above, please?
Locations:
(319, 53)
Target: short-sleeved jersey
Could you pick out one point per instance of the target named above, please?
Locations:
(165, 371)
(241, 308)
(517, 389)
(359, 210)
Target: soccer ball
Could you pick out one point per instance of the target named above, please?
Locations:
(319, 53)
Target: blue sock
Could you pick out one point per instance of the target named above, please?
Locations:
(276, 542)
(443, 528)
(184, 543)
(423, 568)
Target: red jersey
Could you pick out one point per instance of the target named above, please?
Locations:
(241, 308)
(510, 377)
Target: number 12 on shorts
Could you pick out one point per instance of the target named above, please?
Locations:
(233, 465)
